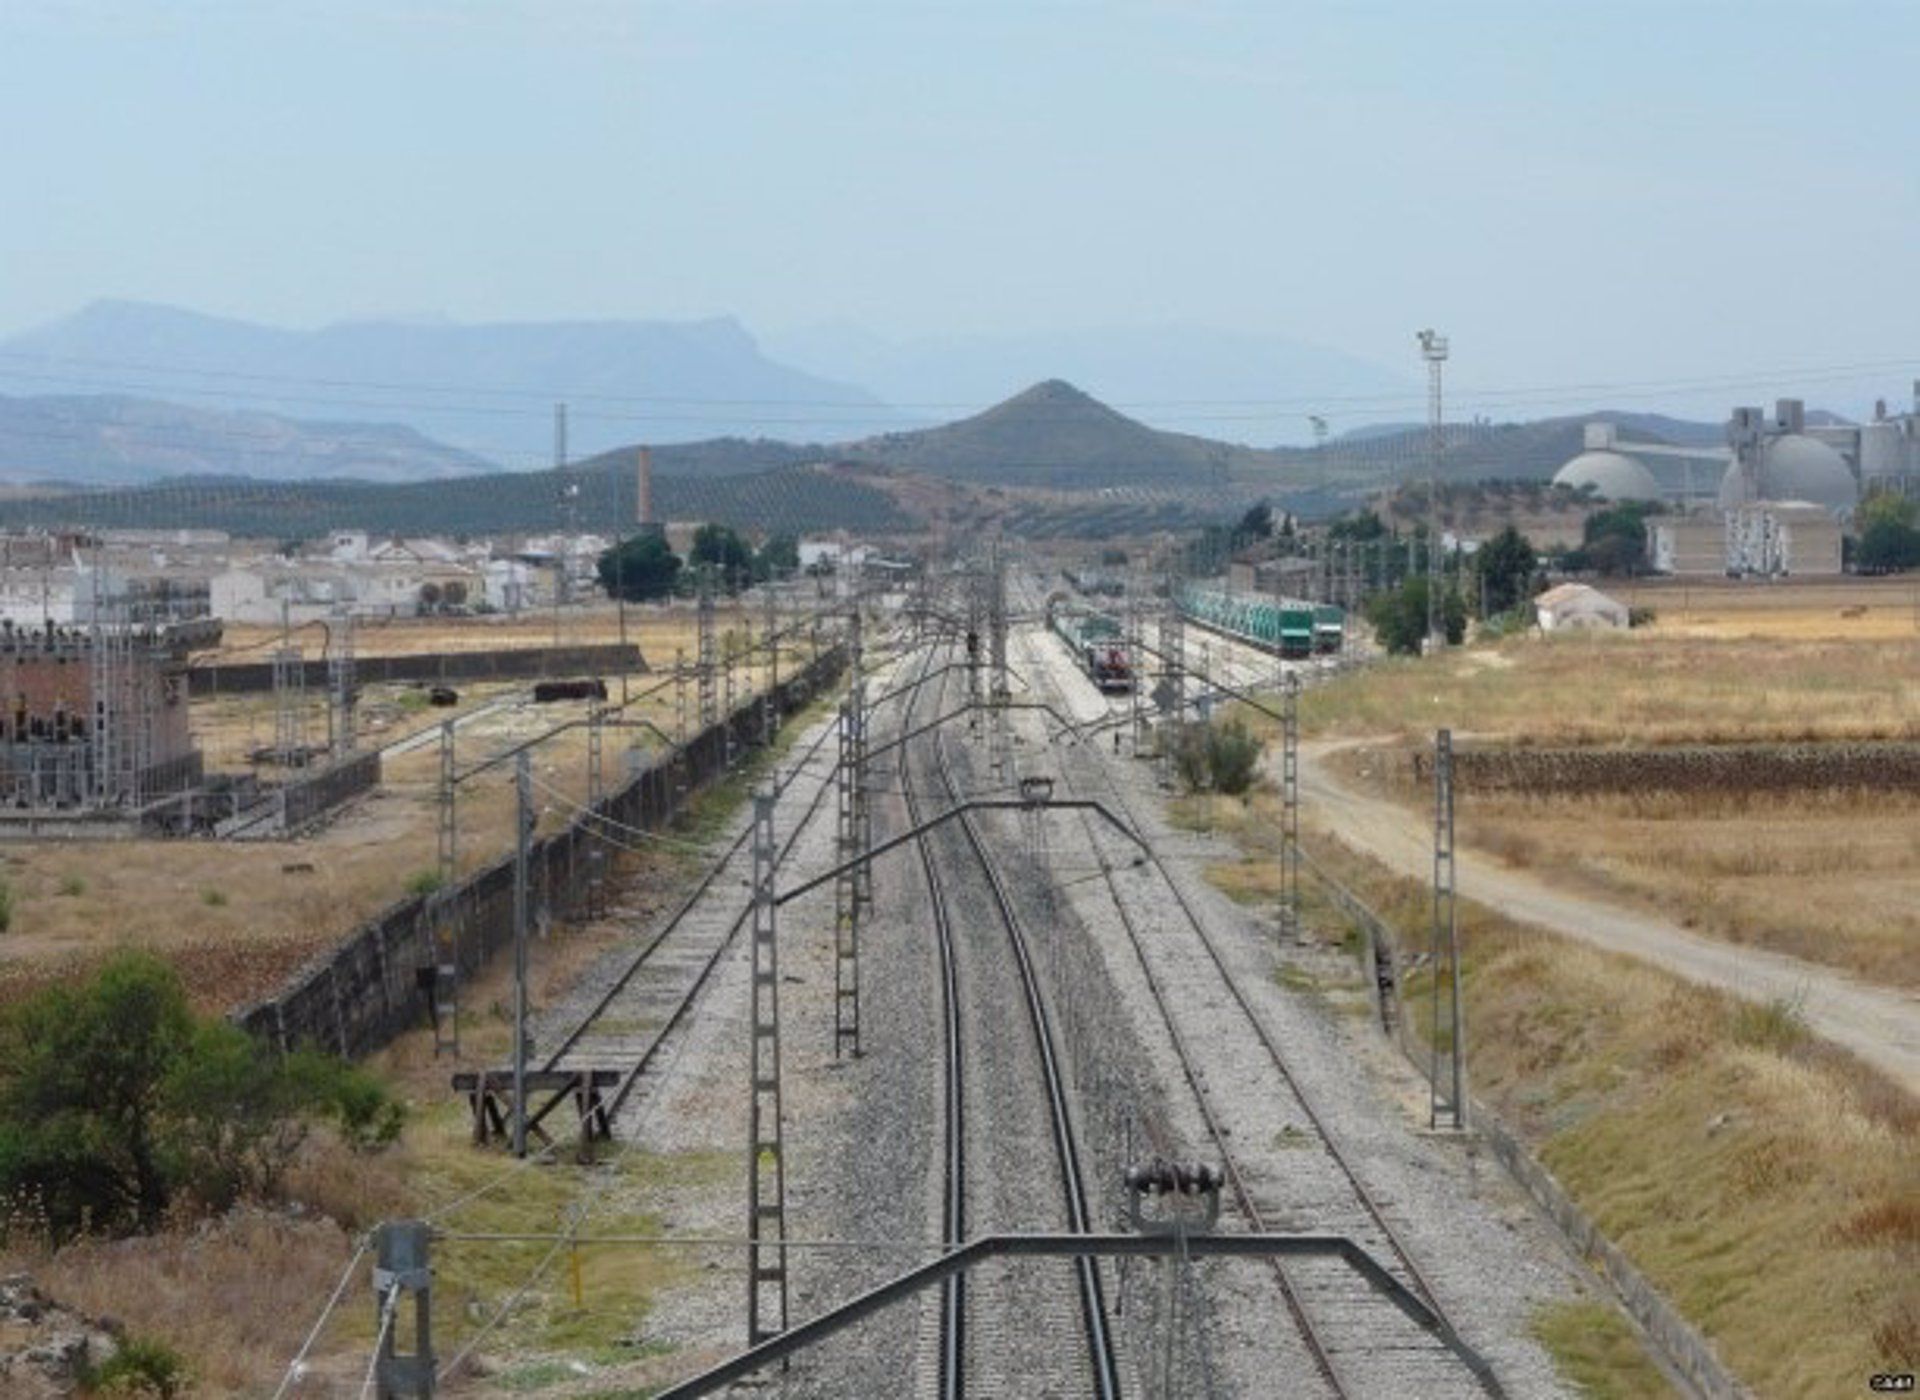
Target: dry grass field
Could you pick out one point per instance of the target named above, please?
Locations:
(1833, 878)
(1824, 876)
(1840, 609)
(1767, 1186)
(239, 917)
(1639, 687)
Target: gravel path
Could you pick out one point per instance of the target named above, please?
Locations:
(1880, 1025)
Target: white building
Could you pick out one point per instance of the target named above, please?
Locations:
(1574, 606)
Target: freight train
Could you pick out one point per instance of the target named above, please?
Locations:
(1098, 645)
(1289, 626)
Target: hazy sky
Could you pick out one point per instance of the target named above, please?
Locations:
(1578, 193)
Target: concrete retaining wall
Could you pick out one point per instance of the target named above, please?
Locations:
(363, 993)
(505, 663)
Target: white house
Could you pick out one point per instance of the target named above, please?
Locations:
(1573, 606)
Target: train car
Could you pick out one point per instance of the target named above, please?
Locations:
(1289, 626)
(1097, 643)
(1329, 628)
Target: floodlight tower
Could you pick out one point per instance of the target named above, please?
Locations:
(1433, 349)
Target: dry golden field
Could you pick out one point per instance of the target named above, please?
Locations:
(1764, 1184)
(1639, 687)
(1828, 877)
(1841, 609)
(238, 917)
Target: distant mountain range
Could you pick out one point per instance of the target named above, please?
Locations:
(112, 439)
(487, 389)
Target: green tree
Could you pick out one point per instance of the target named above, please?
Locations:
(117, 1102)
(1503, 571)
(1886, 507)
(1399, 617)
(779, 555)
(1615, 541)
(1256, 524)
(722, 547)
(1887, 546)
(640, 569)
(1358, 528)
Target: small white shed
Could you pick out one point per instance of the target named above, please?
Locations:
(1571, 606)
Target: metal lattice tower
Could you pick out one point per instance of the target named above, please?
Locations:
(1000, 691)
(709, 702)
(1433, 349)
(112, 676)
(341, 693)
(289, 706)
(1449, 1103)
(766, 1164)
(848, 900)
(680, 695)
(976, 617)
(596, 795)
(1173, 660)
(1290, 805)
(727, 698)
(1136, 658)
(770, 622)
(446, 986)
(448, 855)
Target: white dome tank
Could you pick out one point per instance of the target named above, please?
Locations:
(1612, 475)
(1793, 467)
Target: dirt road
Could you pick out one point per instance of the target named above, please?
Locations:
(1879, 1025)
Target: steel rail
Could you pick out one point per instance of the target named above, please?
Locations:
(953, 1298)
(1483, 1372)
(1101, 1357)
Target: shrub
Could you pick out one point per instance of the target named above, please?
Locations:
(1187, 743)
(1777, 1025)
(424, 882)
(117, 1103)
(213, 899)
(1233, 756)
(1216, 757)
(72, 886)
(143, 1366)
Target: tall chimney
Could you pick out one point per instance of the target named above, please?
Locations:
(645, 491)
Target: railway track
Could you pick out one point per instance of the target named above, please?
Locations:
(958, 1324)
(1359, 1345)
(629, 1019)
(951, 1342)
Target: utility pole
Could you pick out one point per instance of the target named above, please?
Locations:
(569, 493)
(766, 1164)
(446, 967)
(850, 892)
(1433, 349)
(709, 703)
(1173, 652)
(1290, 805)
(523, 834)
(1449, 1015)
(403, 1269)
(341, 685)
